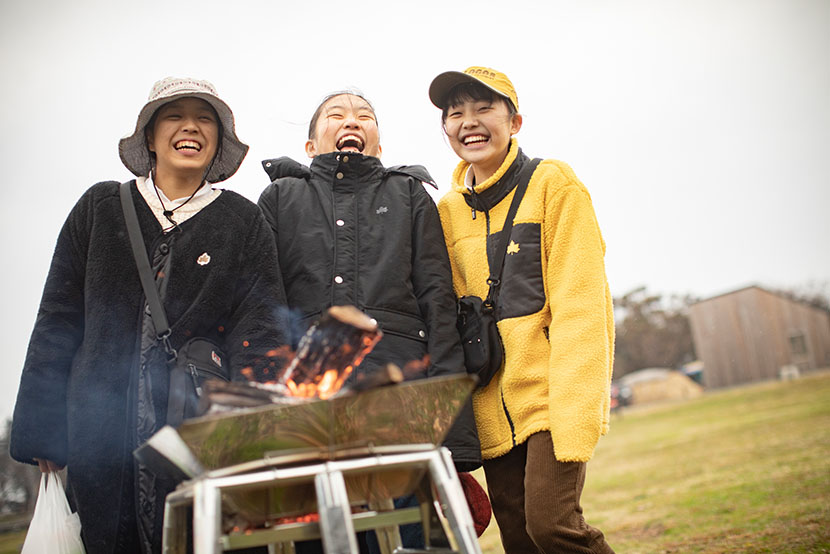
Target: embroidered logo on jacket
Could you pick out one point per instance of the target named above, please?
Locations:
(512, 248)
(204, 259)
(382, 210)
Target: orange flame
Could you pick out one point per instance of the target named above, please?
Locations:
(323, 386)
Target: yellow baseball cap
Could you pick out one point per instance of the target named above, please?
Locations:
(490, 78)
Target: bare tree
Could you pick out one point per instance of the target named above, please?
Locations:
(651, 331)
(815, 293)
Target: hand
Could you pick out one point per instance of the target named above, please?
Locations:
(47, 466)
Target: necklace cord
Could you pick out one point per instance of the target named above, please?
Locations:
(169, 213)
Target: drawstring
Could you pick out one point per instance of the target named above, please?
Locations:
(169, 213)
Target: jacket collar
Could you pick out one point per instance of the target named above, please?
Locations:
(277, 168)
(354, 167)
(492, 191)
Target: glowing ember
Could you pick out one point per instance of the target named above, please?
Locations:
(329, 351)
(323, 387)
(326, 356)
(307, 518)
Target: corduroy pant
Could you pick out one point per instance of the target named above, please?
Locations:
(535, 500)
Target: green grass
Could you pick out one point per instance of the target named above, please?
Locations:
(745, 470)
(11, 543)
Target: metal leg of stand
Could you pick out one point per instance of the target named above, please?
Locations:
(174, 538)
(389, 538)
(435, 533)
(207, 518)
(335, 511)
(453, 501)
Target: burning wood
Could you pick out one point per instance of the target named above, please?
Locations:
(390, 374)
(328, 353)
(221, 396)
(326, 356)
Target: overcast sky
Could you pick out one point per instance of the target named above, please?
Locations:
(701, 128)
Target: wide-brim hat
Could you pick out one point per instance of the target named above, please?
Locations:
(133, 148)
(496, 81)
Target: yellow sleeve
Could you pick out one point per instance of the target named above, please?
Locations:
(581, 326)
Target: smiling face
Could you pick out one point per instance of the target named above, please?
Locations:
(479, 132)
(184, 135)
(345, 123)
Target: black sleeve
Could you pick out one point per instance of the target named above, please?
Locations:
(258, 324)
(269, 205)
(432, 284)
(39, 425)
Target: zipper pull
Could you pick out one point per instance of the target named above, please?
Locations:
(474, 212)
(195, 377)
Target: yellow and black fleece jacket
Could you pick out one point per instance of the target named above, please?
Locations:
(554, 309)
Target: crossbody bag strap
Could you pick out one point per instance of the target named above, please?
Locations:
(145, 273)
(497, 263)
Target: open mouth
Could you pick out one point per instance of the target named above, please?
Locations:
(471, 140)
(190, 145)
(350, 143)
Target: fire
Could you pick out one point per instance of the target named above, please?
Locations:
(322, 373)
(416, 369)
(322, 386)
(325, 358)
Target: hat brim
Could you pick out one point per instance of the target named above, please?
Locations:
(442, 85)
(136, 156)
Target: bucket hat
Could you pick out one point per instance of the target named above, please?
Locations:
(496, 81)
(133, 148)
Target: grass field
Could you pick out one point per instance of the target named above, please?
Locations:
(745, 470)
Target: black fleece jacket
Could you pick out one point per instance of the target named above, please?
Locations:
(77, 399)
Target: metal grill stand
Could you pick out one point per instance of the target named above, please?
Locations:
(443, 512)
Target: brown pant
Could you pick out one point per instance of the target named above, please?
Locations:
(536, 501)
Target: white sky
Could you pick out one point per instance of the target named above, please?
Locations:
(701, 128)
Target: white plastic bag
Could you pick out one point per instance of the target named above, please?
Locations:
(54, 528)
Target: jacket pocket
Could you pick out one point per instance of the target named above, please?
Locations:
(398, 323)
(522, 290)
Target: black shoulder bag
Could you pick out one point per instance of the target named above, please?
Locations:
(199, 359)
(476, 321)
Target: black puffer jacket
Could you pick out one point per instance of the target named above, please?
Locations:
(350, 231)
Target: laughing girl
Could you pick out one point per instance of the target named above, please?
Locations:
(541, 416)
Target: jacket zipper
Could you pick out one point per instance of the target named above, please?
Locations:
(507, 415)
(501, 390)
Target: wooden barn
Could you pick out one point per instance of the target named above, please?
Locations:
(752, 334)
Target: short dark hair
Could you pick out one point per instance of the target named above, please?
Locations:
(312, 126)
(473, 92)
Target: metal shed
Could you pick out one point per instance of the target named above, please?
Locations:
(751, 334)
